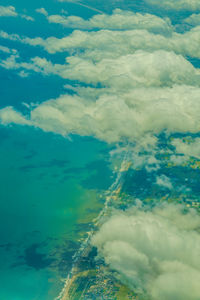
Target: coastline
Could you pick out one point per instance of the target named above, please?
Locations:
(111, 194)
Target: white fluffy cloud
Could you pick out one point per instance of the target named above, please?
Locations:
(27, 18)
(139, 69)
(188, 148)
(10, 11)
(164, 181)
(159, 68)
(4, 49)
(7, 11)
(124, 42)
(194, 20)
(42, 11)
(115, 117)
(191, 5)
(119, 19)
(7, 114)
(145, 90)
(155, 252)
(97, 45)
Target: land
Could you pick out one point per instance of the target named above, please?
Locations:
(90, 277)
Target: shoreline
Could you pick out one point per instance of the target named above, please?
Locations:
(111, 193)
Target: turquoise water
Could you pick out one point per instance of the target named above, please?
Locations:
(45, 192)
(49, 185)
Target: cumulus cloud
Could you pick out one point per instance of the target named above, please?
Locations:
(191, 5)
(7, 11)
(159, 68)
(27, 18)
(9, 115)
(4, 49)
(139, 69)
(115, 117)
(141, 160)
(143, 92)
(23, 74)
(36, 64)
(119, 19)
(42, 11)
(178, 159)
(164, 181)
(155, 252)
(12, 63)
(10, 11)
(193, 20)
(100, 44)
(189, 148)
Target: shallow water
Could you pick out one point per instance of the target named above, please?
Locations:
(48, 186)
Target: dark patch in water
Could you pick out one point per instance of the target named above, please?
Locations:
(6, 246)
(83, 227)
(27, 168)
(4, 134)
(92, 210)
(74, 170)
(35, 232)
(100, 175)
(49, 164)
(30, 155)
(55, 163)
(36, 260)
